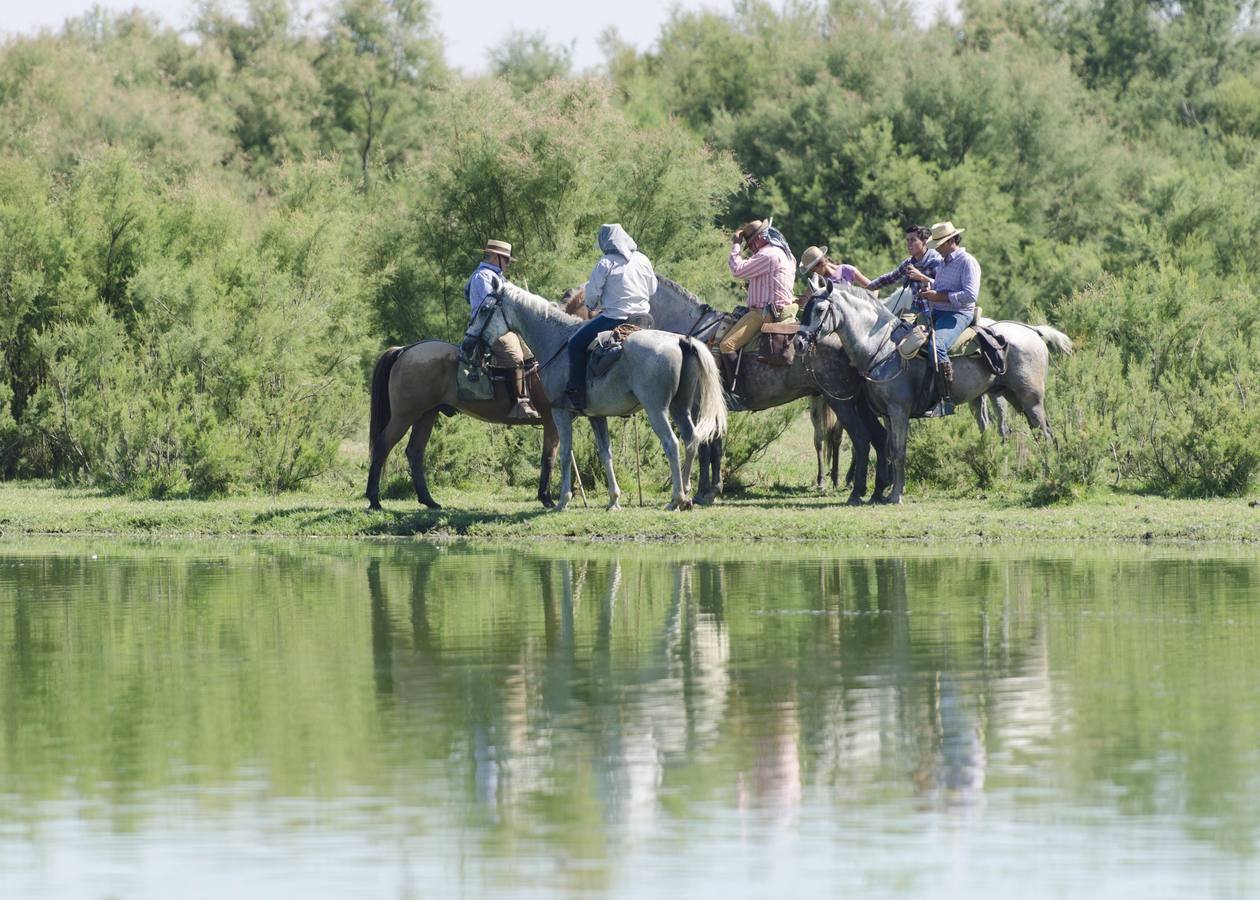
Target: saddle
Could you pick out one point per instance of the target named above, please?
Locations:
(975, 340)
(606, 349)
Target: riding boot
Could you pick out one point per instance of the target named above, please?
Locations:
(730, 375)
(518, 386)
(944, 386)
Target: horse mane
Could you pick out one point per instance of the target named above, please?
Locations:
(883, 313)
(678, 289)
(540, 305)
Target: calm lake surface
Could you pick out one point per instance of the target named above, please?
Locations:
(341, 720)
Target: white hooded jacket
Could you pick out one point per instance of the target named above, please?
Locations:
(623, 280)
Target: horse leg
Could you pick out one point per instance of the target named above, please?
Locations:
(718, 447)
(702, 489)
(564, 428)
(603, 444)
(681, 414)
(384, 442)
(980, 409)
(818, 452)
(415, 457)
(669, 443)
(833, 452)
(850, 418)
(817, 418)
(898, 432)
(548, 462)
(1004, 425)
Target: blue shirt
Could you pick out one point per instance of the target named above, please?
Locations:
(959, 277)
(478, 286)
(927, 265)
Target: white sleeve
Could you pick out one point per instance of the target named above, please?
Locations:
(595, 284)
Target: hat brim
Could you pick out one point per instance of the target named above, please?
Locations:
(822, 254)
(490, 251)
(932, 245)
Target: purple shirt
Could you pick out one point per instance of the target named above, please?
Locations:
(845, 274)
(958, 276)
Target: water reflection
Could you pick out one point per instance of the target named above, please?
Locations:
(618, 705)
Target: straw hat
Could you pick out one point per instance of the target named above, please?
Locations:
(812, 257)
(752, 229)
(502, 248)
(942, 232)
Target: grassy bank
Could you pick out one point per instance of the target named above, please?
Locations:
(33, 508)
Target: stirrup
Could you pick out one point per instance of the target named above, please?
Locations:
(734, 402)
(574, 400)
(523, 410)
(941, 409)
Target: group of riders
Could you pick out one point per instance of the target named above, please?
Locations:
(942, 277)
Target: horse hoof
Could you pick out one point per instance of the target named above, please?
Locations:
(614, 507)
(854, 501)
(683, 505)
(374, 506)
(546, 501)
(432, 504)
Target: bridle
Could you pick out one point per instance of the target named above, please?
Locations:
(877, 358)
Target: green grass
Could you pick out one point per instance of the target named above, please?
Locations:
(767, 514)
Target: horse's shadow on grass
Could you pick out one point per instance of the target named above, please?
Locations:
(392, 522)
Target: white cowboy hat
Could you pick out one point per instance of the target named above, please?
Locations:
(811, 258)
(942, 232)
(502, 248)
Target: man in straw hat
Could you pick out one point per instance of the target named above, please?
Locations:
(769, 273)
(952, 296)
(509, 352)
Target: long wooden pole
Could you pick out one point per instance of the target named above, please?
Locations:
(638, 475)
(577, 476)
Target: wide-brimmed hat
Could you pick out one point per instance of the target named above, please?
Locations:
(811, 258)
(754, 228)
(502, 248)
(942, 232)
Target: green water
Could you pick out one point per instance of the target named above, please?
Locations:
(343, 720)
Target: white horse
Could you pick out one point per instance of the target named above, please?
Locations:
(659, 372)
(895, 386)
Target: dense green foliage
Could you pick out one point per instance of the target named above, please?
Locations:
(205, 240)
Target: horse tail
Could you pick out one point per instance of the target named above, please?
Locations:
(380, 414)
(1055, 339)
(711, 408)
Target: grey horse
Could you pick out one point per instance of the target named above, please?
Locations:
(824, 370)
(659, 372)
(894, 386)
(900, 302)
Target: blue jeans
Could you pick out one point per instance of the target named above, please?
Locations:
(948, 325)
(577, 349)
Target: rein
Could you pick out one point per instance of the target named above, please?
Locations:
(813, 374)
(876, 359)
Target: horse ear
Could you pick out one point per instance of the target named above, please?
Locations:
(496, 284)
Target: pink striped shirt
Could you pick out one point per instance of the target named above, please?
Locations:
(770, 276)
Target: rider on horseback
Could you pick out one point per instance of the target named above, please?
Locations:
(952, 295)
(770, 276)
(508, 352)
(622, 283)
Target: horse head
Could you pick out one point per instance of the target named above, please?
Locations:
(488, 324)
(818, 317)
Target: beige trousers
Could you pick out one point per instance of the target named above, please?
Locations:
(509, 351)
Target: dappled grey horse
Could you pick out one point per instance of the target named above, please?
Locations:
(662, 373)
(900, 302)
(895, 385)
(824, 370)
